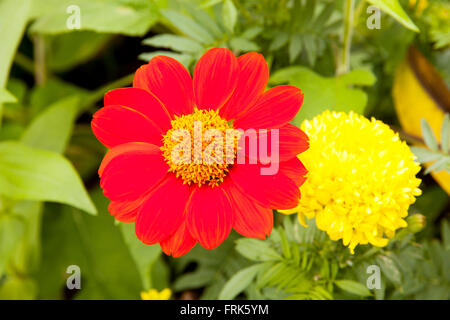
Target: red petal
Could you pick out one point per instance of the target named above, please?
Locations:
(209, 216)
(142, 101)
(293, 141)
(169, 81)
(215, 78)
(178, 243)
(249, 218)
(275, 108)
(163, 210)
(253, 78)
(125, 211)
(130, 170)
(115, 125)
(273, 146)
(276, 191)
(295, 170)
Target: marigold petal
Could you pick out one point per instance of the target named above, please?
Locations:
(275, 108)
(209, 216)
(163, 211)
(142, 101)
(129, 170)
(253, 78)
(179, 243)
(215, 78)
(169, 80)
(115, 125)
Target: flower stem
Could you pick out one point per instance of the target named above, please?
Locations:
(40, 72)
(344, 59)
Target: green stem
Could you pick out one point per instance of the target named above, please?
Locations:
(40, 72)
(24, 62)
(344, 59)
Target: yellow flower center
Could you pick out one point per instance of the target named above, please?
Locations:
(200, 147)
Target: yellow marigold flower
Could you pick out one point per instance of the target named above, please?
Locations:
(153, 294)
(361, 180)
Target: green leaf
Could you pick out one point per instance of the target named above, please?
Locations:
(209, 3)
(256, 250)
(229, 15)
(11, 230)
(6, 96)
(394, 9)
(52, 128)
(194, 280)
(428, 135)
(13, 20)
(32, 174)
(18, 288)
(204, 19)
(279, 41)
(95, 244)
(440, 165)
(239, 282)
(309, 41)
(322, 93)
(445, 134)
(174, 42)
(184, 59)
(390, 269)
(52, 91)
(424, 155)
(353, 287)
(188, 26)
(60, 48)
(144, 255)
(129, 17)
(295, 47)
(241, 44)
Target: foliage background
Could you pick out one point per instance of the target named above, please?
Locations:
(52, 79)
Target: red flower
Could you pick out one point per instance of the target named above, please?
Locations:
(180, 204)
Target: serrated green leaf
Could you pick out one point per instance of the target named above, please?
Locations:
(443, 163)
(174, 42)
(428, 135)
(424, 155)
(256, 250)
(279, 41)
(353, 287)
(229, 15)
(243, 45)
(184, 59)
(188, 26)
(33, 174)
(390, 269)
(295, 47)
(239, 282)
